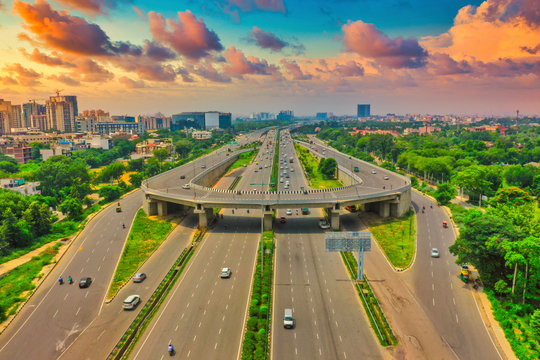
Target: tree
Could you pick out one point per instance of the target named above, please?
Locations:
(113, 170)
(183, 147)
(8, 167)
(38, 217)
(444, 193)
(161, 154)
(135, 179)
(136, 165)
(72, 207)
(110, 193)
(535, 322)
(328, 167)
(511, 195)
(13, 232)
(472, 180)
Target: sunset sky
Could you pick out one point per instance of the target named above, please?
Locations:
(401, 56)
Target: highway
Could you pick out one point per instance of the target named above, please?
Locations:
(204, 315)
(330, 321)
(61, 313)
(439, 300)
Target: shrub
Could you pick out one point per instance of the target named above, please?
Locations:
(252, 324)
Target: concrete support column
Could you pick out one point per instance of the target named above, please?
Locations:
(334, 219)
(268, 220)
(149, 206)
(162, 207)
(384, 209)
(205, 216)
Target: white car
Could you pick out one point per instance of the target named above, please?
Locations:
(225, 273)
(186, 186)
(289, 212)
(323, 224)
(373, 171)
(131, 302)
(386, 177)
(435, 253)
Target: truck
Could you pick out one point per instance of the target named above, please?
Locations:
(291, 160)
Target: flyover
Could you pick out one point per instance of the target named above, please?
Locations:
(387, 193)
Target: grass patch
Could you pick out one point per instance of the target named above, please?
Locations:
(397, 238)
(275, 166)
(255, 343)
(311, 169)
(243, 159)
(376, 317)
(20, 281)
(146, 235)
(459, 214)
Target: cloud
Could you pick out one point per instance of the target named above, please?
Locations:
(41, 58)
(65, 79)
(207, 71)
(238, 64)
(294, 71)
(443, 64)
(62, 31)
(349, 69)
(91, 7)
(265, 5)
(366, 40)
(188, 36)
(130, 83)
(496, 29)
(24, 76)
(157, 52)
(267, 40)
(90, 71)
(531, 51)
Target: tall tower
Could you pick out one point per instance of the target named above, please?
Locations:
(363, 110)
(61, 112)
(6, 116)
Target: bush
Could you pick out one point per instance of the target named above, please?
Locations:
(252, 324)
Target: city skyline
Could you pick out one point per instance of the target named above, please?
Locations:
(139, 57)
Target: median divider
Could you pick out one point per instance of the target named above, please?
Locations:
(127, 342)
(377, 319)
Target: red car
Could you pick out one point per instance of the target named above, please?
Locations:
(283, 220)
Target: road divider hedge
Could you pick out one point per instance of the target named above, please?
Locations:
(310, 164)
(256, 344)
(128, 341)
(145, 237)
(376, 316)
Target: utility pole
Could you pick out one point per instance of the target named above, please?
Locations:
(517, 119)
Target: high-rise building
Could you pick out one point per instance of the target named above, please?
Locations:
(30, 109)
(61, 112)
(285, 115)
(6, 114)
(225, 120)
(16, 116)
(364, 110)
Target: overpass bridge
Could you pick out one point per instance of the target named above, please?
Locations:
(388, 193)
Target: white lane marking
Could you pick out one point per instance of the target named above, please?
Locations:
(65, 297)
(87, 260)
(86, 295)
(82, 269)
(194, 338)
(433, 301)
(77, 313)
(200, 323)
(55, 313)
(219, 331)
(340, 339)
(215, 346)
(99, 268)
(457, 319)
(176, 328)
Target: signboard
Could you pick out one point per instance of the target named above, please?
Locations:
(348, 241)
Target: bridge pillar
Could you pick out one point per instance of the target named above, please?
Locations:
(268, 220)
(162, 207)
(384, 209)
(149, 206)
(205, 216)
(334, 219)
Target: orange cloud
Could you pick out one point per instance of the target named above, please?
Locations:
(91, 7)
(189, 36)
(41, 58)
(366, 40)
(24, 76)
(130, 83)
(65, 79)
(238, 64)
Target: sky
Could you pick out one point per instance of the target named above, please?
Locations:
(474, 57)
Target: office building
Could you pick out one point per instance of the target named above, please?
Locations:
(61, 112)
(6, 113)
(155, 123)
(16, 117)
(201, 135)
(107, 128)
(285, 115)
(201, 120)
(364, 110)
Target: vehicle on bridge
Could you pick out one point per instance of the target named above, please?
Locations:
(351, 208)
(356, 169)
(305, 211)
(283, 219)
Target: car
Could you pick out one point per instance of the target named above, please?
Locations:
(260, 167)
(287, 176)
(386, 177)
(85, 282)
(289, 212)
(323, 224)
(305, 211)
(131, 302)
(435, 253)
(139, 277)
(203, 167)
(286, 186)
(281, 180)
(373, 171)
(186, 186)
(245, 165)
(225, 273)
(283, 219)
(182, 176)
(292, 169)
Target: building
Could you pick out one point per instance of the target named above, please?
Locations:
(85, 124)
(100, 142)
(20, 186)
(123, 118)
(97, 115)
(285, 115)
(6, 113)
(16, 119)
(147, 147)
(155, 123)
(19, 152)
(39, 122)
(61, 148)
(201, 120)
(225, 120)
(61, 112)
(30, 109)
(363, 110)
(107, 128)
(201, 135)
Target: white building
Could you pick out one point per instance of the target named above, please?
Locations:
(201, 135)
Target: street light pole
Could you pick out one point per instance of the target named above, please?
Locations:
(262, 241)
